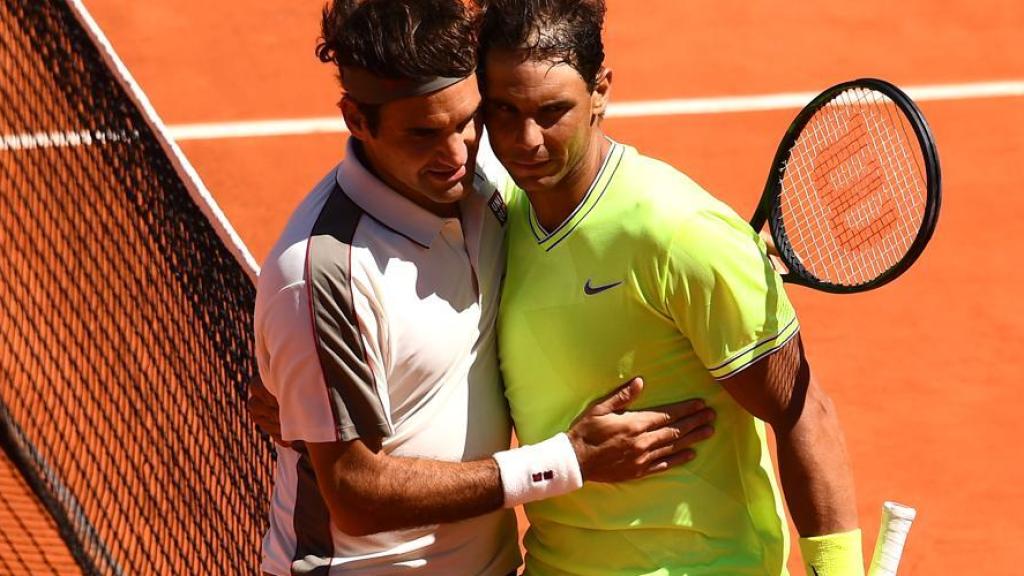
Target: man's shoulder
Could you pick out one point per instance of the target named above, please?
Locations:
(285, 264)
(654, 180)
(664, 211)
(652, 198)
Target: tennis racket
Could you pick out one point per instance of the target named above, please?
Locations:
(896, 521)
(854, 191)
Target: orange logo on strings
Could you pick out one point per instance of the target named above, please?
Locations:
(850, 183)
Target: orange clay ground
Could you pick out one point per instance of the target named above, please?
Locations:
(925, 372)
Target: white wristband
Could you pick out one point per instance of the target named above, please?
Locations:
(539, 471)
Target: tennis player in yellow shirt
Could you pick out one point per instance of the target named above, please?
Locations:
(619, 264)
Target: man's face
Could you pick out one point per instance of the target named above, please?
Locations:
(539, 118)
(425, 146)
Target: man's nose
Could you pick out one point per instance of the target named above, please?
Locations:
(530, 134)
(455, 151)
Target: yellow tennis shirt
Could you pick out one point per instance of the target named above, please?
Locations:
(651, 277)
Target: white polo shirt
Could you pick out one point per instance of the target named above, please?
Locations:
(375, 319)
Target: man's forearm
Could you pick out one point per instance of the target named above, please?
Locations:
(408, 492)
(371, 492)
(815, 469)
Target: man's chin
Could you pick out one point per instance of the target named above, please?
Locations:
(469, 179)
(534, 182)
(452, 194)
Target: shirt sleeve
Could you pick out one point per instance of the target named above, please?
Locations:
(723, 294)
(321, 378)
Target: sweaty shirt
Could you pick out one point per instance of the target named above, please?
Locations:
(650, 276)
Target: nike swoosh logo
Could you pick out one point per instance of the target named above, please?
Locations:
(591, 290)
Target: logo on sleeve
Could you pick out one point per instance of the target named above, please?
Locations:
(591, 290)
(497, 205)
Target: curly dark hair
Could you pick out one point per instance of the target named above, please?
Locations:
(556, 31)
(400, 39)
(414, 39)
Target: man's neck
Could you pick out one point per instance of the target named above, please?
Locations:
(552, 207)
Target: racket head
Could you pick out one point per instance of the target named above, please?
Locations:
(854, 192)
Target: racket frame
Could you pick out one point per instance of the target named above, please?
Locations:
(769, 208)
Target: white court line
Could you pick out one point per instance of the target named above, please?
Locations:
(795, 100)
(638, 109)
(298, 126)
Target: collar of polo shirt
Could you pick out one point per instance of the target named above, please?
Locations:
(385, 205)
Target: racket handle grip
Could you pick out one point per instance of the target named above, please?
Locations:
(896, 521)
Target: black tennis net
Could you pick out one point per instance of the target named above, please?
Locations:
(125, 319)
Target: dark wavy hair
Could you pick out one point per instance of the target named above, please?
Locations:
(400, 39)
(556, 31)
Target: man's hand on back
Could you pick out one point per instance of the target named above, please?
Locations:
(263, 410)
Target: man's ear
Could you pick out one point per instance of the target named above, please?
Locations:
(355, 120)
(602, 92)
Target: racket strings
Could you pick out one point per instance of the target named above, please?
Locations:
(853, 189)
(838, 170)
(873, 230)
(900, 168)
(912, 178)
(855, 219)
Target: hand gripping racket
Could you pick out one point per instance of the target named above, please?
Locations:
(854, 191)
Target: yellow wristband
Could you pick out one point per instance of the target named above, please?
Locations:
(833, 554)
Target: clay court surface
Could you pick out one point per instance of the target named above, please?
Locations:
(925, 372)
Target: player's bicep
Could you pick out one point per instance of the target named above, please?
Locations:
(775, 387)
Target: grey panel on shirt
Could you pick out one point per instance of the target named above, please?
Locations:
(311, 521)
(358, 410)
